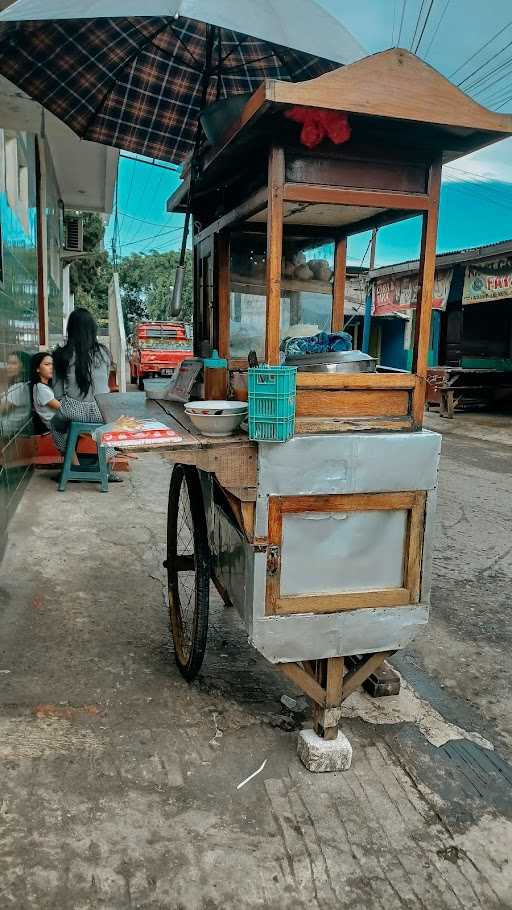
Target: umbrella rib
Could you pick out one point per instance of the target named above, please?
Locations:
(189, 52)
(282, 60)
(112, 76)
(237, 45)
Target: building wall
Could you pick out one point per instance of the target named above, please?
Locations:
(396, 341)
(19, 322)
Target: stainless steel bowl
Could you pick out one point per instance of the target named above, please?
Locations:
(341, 362)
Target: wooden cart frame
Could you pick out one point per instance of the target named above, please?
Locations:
(406, 121)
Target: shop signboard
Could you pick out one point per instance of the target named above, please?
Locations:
(488, 281)
(395, 294)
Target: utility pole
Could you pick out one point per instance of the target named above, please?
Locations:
(368, 303)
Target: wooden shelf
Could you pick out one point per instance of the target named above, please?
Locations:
(245, 284)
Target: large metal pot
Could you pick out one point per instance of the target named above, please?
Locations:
(341, 362)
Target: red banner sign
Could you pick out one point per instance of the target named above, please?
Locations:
(399, 295)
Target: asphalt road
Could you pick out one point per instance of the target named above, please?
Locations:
(466, 652)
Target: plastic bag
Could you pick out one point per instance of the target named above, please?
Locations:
(322, 343)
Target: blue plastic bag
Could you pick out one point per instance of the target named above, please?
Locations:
(322, 343)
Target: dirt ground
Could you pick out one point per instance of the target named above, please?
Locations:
(119, 780)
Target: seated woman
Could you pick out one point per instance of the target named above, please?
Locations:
(15, 400)
(81, 371)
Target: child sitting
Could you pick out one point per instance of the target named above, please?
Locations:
(45, 404)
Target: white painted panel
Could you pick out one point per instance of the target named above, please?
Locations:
(333, 552)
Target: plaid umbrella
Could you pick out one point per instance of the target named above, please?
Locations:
(140, 83)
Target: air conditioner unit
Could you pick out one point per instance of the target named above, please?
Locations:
(73, 234)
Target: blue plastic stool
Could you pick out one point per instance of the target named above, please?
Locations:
(76, 428)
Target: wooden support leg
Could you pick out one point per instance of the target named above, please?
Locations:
(329, 673)
(221, 589)
(450, 404)
(324, 682)
(447, 408)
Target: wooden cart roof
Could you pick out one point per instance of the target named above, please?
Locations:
(394, 85)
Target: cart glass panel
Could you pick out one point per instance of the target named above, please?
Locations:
(306, 291)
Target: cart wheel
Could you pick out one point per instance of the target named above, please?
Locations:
(188, 570)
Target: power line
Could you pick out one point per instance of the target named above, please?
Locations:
(504, 102)
(478, 182)
(438, 26)
(404, 4)
(469, 193)
(145, 183)
(418, 20)
(427, 17)
(395, 10)
(472, 85)
(115, 231)
(492, 88)
(153, 237)
(479, 50)
(132, 175)
(144, 220)
(501, 95)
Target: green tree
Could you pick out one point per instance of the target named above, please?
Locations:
(146, 281)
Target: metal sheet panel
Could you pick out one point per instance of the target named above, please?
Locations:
(346, 463)
(334, 552)
(428, 546)
(233, 561)
(310, 636)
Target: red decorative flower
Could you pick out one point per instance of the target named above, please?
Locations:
(318, 123)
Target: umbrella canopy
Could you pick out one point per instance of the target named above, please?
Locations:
(139, 83)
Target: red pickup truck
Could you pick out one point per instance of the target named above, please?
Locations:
(157, 349)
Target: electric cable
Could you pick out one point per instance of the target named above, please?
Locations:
(479, 50)
(427, 17)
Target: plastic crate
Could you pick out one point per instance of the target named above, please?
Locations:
(272, 403)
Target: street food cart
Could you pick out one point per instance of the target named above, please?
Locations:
(323, 543)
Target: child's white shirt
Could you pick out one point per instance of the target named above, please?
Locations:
(43, 394)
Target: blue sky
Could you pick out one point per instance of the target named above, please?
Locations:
(476, 205)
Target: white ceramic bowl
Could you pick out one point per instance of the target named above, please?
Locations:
(212, 418)
(217, 408)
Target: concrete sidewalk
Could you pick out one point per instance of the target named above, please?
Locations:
(119, 779)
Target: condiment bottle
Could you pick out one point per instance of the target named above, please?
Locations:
(215, 378)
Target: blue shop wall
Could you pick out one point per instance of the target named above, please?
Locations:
(397, 339)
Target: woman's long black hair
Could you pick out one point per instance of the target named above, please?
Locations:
(82, 344)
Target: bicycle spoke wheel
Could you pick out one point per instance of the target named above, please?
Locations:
(188, 569)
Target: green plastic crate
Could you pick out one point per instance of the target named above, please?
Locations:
(272, 403)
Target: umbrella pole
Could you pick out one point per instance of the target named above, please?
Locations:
(175, 308)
